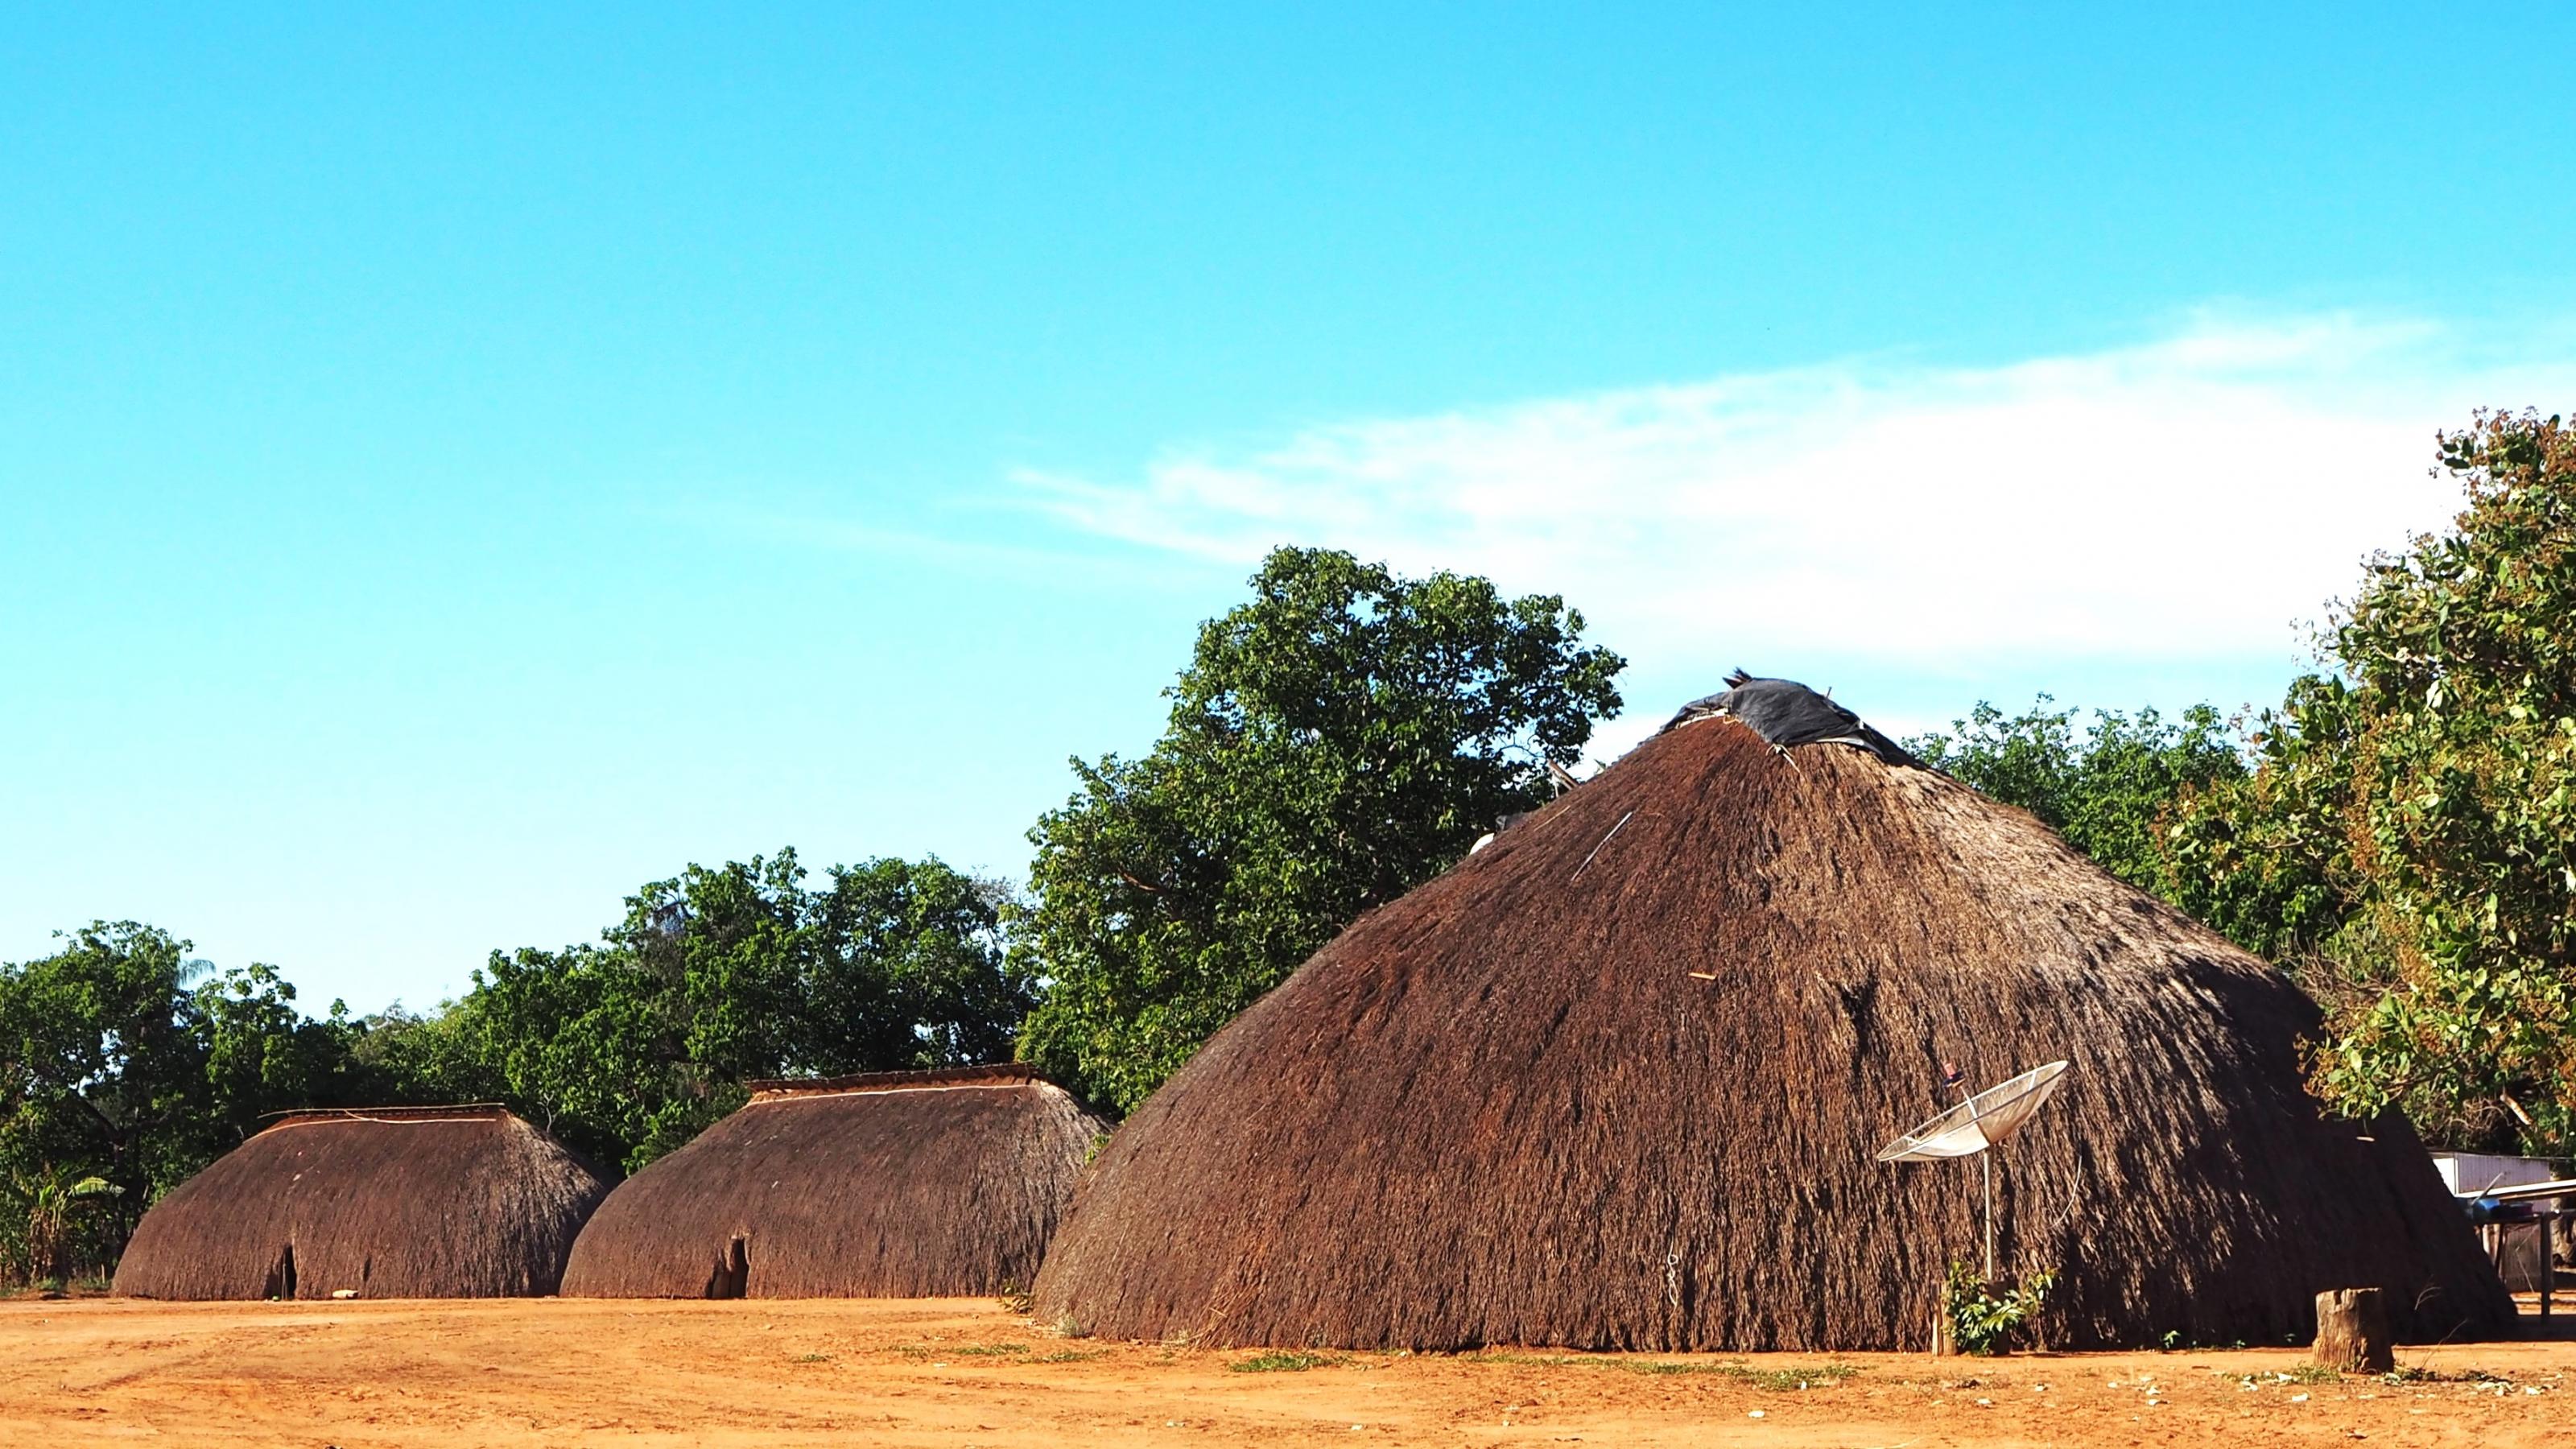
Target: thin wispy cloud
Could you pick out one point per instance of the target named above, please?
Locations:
(2189, 497)
(968, 551)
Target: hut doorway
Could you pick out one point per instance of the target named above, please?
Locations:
(733, 1272)
(281, 1277)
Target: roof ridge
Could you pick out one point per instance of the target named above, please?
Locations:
(770, 1089)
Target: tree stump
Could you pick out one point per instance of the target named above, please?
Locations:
(2352, 1331)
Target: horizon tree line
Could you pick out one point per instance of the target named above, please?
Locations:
(2398, 835)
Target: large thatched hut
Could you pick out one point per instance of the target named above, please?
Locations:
(885, 1185)
(1618, 1080)
(379, 1202)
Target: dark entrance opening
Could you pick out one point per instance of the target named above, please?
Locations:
(281, 1277)
(733, 1272)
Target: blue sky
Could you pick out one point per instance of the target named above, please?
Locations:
(457, 465)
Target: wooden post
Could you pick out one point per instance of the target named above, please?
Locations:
(2548, 1263)
(1942, 1344)
(2352, 1332)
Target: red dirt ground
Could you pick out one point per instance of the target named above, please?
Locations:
(965, 1372)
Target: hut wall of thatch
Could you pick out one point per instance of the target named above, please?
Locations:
(384, 1203)
(893, 1185)
(1618, 1079)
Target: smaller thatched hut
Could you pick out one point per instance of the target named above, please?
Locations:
(379, 1202)
(885, 1185)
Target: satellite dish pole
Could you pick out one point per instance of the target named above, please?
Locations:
(1986, 1177)
(1985, 1172)
(1973, 1126)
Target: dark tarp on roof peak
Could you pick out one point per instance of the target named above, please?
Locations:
(1787, 713)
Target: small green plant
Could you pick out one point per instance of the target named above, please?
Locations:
(1283, 1362)
(2173, 1339)
(1984, 1320)
(1071, 1355)
(1091, 1154)
(988, 1350)
(48, 1203)
(1014, 1299)
(811, 1358)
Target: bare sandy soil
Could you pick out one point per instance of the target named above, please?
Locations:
(965, 1372)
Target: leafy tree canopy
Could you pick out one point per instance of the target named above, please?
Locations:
(124, 1060)
(2408, 839)
(2105, 789)
(1334, 742)
(628, 1048)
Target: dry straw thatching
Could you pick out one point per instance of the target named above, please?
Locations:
(890, 1185)
(391, 1202)
(1508, 1109)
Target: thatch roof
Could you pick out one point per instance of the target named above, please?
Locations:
(384, 1202)
(1617, 1080)
(891, 1185)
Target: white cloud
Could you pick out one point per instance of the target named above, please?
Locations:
(2185, 499)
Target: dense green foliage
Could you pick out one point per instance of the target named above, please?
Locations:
(124, 1067)
(124, 1062)
(2408, 841)
(1336, 741)
(629, 1048)
(2106, 790)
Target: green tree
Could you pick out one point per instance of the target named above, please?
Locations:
(398, 1056)
(1338, 740)
(2106, 789)
(629, 1048)
(908, 970)
(2409, 836)
(2262, 856)
(122, 1059)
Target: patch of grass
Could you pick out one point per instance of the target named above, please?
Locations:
(811, 1358)
(2404, 1374)
(2306, 1373)
(1791, 1380)
(1071, 1355)
(960, 1350)
(1014, 1299)
(1283, 1362)
(1779, 1380)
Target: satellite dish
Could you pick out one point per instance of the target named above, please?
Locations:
(1979, 1122)
(1975, 1125)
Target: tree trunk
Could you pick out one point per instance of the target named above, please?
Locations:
(2352, 1331)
